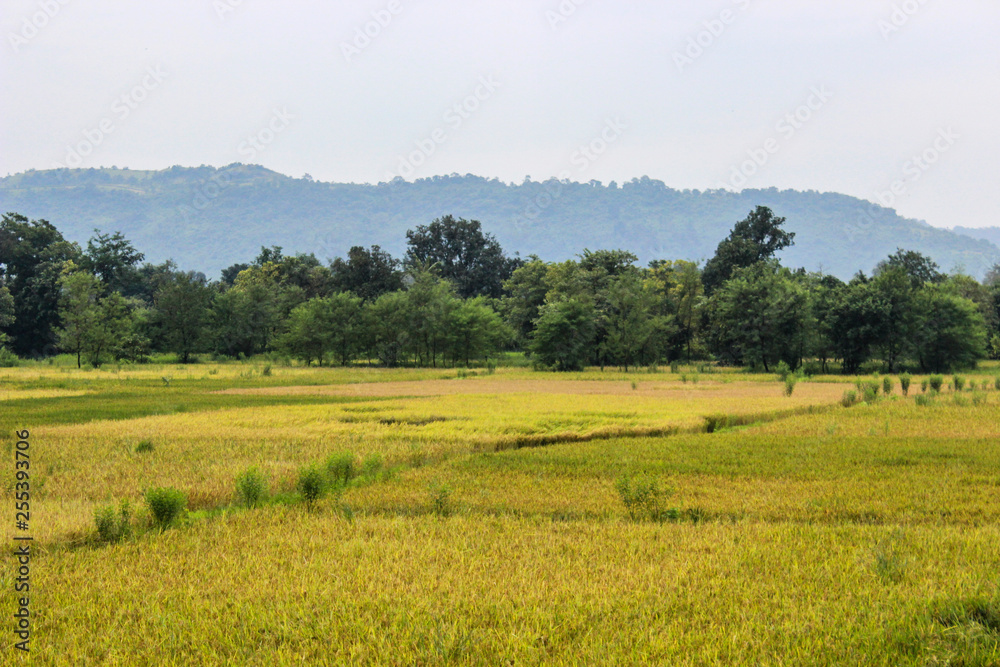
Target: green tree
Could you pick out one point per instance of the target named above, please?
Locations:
(467, 256)
(181, 310)
(761, 316)
(564, 335)
(526, 290)
(754, 239)
(113, 259)
(628, 319)
(32, 255)
(919, 268)
(78, 310)
(308, 331)
(347, 326)
(949, 332)
(477, 331)
(367, 273)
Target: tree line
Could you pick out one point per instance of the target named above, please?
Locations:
(456, 299)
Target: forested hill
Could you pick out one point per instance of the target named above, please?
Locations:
(206, 219)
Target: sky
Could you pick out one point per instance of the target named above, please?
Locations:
(893, 101)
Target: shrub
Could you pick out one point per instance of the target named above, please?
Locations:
(849, 399)
(165, 504)
(978, 398)
(251, 488)
(789, 385)
(372, 466)
(904, 383)
(959, 382)
(7, 358)
(886, 385)
(870, 394)
(341, 468)
(675, 367)
(936, 382)
(923, 386)
(640, 497)
(441, 500)
(266, 371)
(144, 446)
(960, 401)
(783, 371)
(113, 525)
(311, 484)
(923, 400)
(684, 378)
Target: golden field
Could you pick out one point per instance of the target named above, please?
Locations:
(491, 529)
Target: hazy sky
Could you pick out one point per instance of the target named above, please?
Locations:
(852, 96)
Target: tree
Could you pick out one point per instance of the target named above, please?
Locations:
(628, 317)
(347, 325)
(920, 268)
(367, 273)
(895, 289)
(78, 310)
(564, 335)
(950, 333)
(471, 259)
(857, 319)
(307, 331)
(476, 331)
(526, 290)
(113, 259)
(32, 255)
(6, 313)
(761, 316)
(755, 239)
(182, 306)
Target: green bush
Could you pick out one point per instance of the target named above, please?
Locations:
(372, 465)
(923, 400)
(311, 484)
(870, 394)
(923, 386)
(790, 385)
(936, 382)
(640, 497)
(849, 398)
(165, 504)
(251, 488)
(783, 371)
(341, 468)
(887, 385)
(441, 500)
(959, 383)
(675, 367)
(904, 383)
(113, 525)
(7, 358)
(144, 446)
(978, 398)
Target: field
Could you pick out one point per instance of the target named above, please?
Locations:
(508, 518)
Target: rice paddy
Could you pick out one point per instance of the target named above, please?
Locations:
(489, 525)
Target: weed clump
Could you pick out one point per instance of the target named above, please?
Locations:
(936, 381)
(996, 383)
(640, 497)
(144, 446)
(887, 386)
(783, 371)
(958, 382)
(341, 468)
(849, 399)
(923, 400)
(441, 500)
(251, 488)
(923, 386)
(311, 484)
(904, 383)
(790, 385)
(165, 504)
(113, 525)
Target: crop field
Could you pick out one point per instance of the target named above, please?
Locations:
(507, 517)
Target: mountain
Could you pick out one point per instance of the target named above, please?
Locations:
(206, 218)
(991, 234)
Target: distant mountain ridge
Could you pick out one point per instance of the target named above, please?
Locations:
(206, 218)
